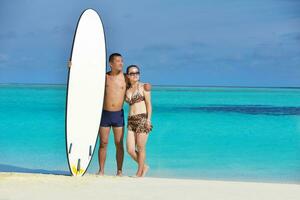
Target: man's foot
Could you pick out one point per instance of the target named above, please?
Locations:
(145, 169)
(119, 173)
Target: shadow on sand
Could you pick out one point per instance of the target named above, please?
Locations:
(11, 168)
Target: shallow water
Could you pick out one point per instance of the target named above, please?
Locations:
(248, 134)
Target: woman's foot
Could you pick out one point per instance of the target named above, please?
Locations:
(145, 169)
(100, 173)
(137, 176)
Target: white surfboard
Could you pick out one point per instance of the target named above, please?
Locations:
(85, 91)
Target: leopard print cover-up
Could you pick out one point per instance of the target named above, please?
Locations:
(137, 123)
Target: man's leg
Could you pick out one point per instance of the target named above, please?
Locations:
(119, 136)
(104, 135)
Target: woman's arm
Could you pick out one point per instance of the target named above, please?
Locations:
(147, 94)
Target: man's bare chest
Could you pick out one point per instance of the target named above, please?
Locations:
(115, 84)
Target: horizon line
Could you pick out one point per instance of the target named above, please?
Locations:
(168, 85)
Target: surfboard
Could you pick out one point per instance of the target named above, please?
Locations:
(85, 91)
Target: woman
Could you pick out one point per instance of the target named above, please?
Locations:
(139, 118)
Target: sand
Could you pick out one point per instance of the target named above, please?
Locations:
(30, 186)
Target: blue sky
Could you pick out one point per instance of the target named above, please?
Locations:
(191, 42)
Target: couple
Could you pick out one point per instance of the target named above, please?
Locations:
(119, 87)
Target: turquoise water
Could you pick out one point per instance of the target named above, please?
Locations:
(250, 134)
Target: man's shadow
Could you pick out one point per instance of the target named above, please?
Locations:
(12, 168)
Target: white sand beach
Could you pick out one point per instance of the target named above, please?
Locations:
(30, 186)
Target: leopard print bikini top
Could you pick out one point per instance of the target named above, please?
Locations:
(135, 98)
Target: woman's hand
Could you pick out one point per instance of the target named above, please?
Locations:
(149, 125)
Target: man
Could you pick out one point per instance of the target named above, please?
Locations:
(113, 113)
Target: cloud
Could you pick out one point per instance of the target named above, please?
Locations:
(8, 35)
(56, 30)
(173, 56)
(61, 29)
(293, 36)
(3, 58)
(206, 56)
(128, 16)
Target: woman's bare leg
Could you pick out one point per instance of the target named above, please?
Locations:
(130, 145)
(141, 146)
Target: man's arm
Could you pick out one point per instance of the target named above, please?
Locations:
(147, 86)
(147, 93)
(126, 81)
(69, 63)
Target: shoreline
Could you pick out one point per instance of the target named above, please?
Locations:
(4, 168)
(48, 186)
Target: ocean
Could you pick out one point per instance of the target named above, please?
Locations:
(217, 133)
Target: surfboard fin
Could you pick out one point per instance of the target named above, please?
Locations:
(90, 150)
(78, 166)
(70, 148)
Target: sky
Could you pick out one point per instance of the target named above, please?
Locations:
(251, 43)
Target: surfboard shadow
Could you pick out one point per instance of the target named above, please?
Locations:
(12, 168)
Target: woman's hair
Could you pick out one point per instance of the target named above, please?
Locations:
(127, 72)
(131, 66)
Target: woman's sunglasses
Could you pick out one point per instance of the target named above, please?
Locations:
(134, 73)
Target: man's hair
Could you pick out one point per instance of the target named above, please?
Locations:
(112, 56)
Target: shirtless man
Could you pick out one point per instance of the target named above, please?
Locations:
(113, 113)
